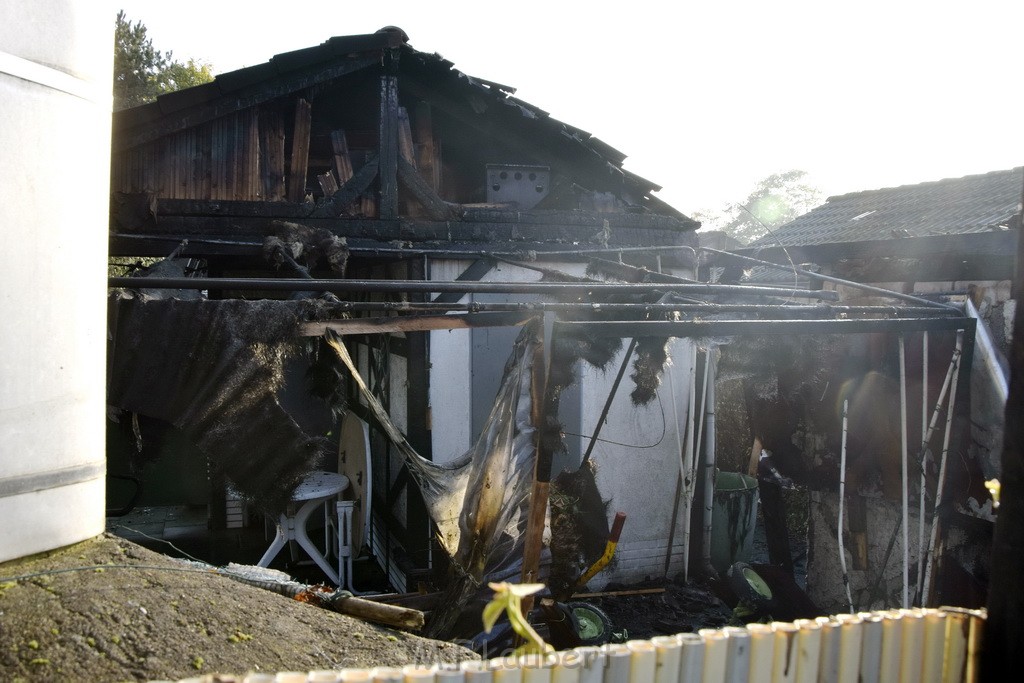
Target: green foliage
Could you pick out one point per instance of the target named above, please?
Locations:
(508, 598)
(126, 266)
(774, 201)
(178, 76)
(141, 72)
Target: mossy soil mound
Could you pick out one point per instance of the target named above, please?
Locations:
(110, 610)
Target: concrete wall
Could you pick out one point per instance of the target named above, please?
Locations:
(824, 573)
(55, 79)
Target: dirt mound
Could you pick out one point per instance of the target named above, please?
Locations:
(108, 610)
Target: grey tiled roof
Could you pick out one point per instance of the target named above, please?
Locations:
(953, 206)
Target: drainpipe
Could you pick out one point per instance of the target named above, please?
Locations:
(842, 501)
(690, 458)
(709, 458)
(924, 482)
(932, 551)
(906, 476)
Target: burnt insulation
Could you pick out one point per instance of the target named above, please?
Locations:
(651, 361)
(579, 527)
(572, 344)
(213, 369)
(651, 352)
(313, 247)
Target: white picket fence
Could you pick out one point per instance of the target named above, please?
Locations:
(897, 646)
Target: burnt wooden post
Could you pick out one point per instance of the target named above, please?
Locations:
(389, 123)
(1002, 650)
(543, 398)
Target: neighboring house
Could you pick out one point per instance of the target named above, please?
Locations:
(427, 174)
(955, 237)
(936, 236)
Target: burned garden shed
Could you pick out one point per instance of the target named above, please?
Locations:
(364, 159)
(439, 226)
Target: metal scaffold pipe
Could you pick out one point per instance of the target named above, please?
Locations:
(421, 286)
(830, 278)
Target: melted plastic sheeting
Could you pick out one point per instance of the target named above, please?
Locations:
(479, 502)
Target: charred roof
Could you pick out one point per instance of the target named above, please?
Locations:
(244, 137)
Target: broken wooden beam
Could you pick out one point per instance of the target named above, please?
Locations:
(340, 159)
(377, 612)
(406, 149)
(356, 186)
(327, 183)
(437, 209)
(414, 323)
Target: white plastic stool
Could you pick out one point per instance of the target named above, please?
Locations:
(317, 488)
(345, 551)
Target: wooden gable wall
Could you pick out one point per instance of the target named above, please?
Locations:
(218, 160)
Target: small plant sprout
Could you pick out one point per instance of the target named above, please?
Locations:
(508, 597)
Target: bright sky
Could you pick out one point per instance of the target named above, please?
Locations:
(706, 97)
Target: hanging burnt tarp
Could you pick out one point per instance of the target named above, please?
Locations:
(213, 370)
(476, 500)
(479, 501)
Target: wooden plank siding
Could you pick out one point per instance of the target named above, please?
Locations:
(218, 160)
(272, 155)
(247, 183)
(298, 163)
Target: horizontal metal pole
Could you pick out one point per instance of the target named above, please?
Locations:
(727, 328)
(421, 286)
(699, 308)
(834, 280)
(529, 250)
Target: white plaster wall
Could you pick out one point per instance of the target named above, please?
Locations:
(451, 366)
(450, 393)
(637, 459)
(450, 378)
